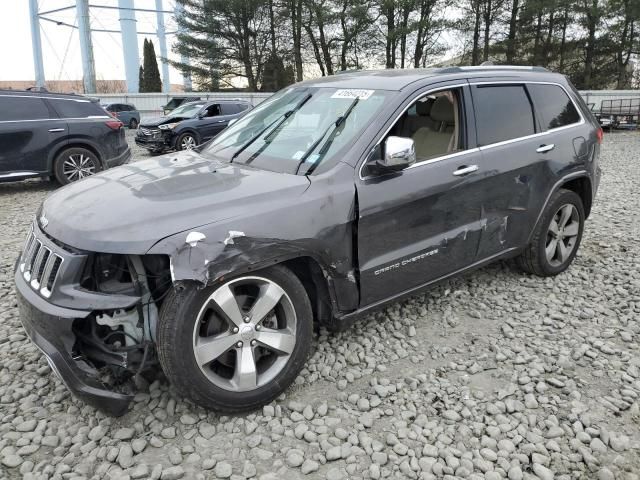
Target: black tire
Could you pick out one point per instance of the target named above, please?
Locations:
(176, 351)
(183, 138)
(75, 155)
(133, 124)
(534, 258)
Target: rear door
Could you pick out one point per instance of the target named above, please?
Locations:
(27, 128)
(521, 156)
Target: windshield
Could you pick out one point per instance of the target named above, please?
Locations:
(298, 128)
(187, 110)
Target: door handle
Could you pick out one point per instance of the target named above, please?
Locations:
(545, 148)
(464, 170)
(220, 121)
(54, 130)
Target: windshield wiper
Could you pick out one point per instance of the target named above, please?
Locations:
(277, 122)
(333, 125)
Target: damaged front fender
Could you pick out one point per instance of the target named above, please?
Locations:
(267, 236)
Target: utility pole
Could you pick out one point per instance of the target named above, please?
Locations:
(129, 44)
(186, 77)
(36, 43)
(86, 46)
(162, 40)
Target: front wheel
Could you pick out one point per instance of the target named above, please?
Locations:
(186, 141)
(75, 164)
(133, 124)
(237, 345)
(557, 237)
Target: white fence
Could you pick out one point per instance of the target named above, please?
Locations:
(150, 104)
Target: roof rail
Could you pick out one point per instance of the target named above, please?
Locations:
(464, 68)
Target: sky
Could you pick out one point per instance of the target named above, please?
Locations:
(60, 45)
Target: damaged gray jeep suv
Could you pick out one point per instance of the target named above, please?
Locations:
(329, 199)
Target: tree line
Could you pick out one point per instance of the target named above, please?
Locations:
(273, 43)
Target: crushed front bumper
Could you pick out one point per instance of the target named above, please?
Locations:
(50, 328)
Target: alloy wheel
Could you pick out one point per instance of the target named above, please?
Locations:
(245, 334)
(562, 235)
(188, 142)
(78, 166)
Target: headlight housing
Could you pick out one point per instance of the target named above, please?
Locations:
(168, 126)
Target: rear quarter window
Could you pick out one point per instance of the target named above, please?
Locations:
(22, 108)
(76, 108)
(553, 106)
(503, 112)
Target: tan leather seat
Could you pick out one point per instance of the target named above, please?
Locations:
(437, 141)
(421, 119)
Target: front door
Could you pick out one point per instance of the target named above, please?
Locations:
(424, 222)
(212, 122)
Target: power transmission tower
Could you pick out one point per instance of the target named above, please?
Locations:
(129, 34)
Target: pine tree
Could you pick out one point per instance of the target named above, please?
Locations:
(141, 79)
(151, 75)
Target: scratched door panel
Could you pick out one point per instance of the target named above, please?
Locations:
(417, 226)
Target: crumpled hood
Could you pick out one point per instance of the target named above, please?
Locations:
(157, 121)
(129, 208)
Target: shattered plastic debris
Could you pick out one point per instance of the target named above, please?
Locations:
(232, 234)
(194, 237)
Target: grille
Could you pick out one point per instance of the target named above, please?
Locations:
(39, 265)
(147, 132)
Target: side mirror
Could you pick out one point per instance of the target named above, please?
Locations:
(399, 153)
(200, 115)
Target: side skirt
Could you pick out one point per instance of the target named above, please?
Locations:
(345, 321)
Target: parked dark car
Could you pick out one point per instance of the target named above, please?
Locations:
(125, 112)
(175, 102)
(326, 201)
(189, 125)
(68, 137)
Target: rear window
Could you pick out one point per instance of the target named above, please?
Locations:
(76, 108)
(503, 112)
(553, 106)
(22, 108)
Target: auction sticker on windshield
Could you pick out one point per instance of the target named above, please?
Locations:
(353, 93)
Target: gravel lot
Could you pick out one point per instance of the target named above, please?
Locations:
(493, 375)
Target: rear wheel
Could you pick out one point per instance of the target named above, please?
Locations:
(133, 124)
(75, 164)
(557, 237)
(237, 345)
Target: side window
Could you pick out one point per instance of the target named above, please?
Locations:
(553, 107)
(212, 110)
(22, 108)
(503, 112)
(434, 124)
(76, 108)
(230, 108)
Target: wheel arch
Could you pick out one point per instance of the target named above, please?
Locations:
(315, 282)
(582, 187)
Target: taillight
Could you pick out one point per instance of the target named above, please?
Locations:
(114, 124)
(600, 135)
